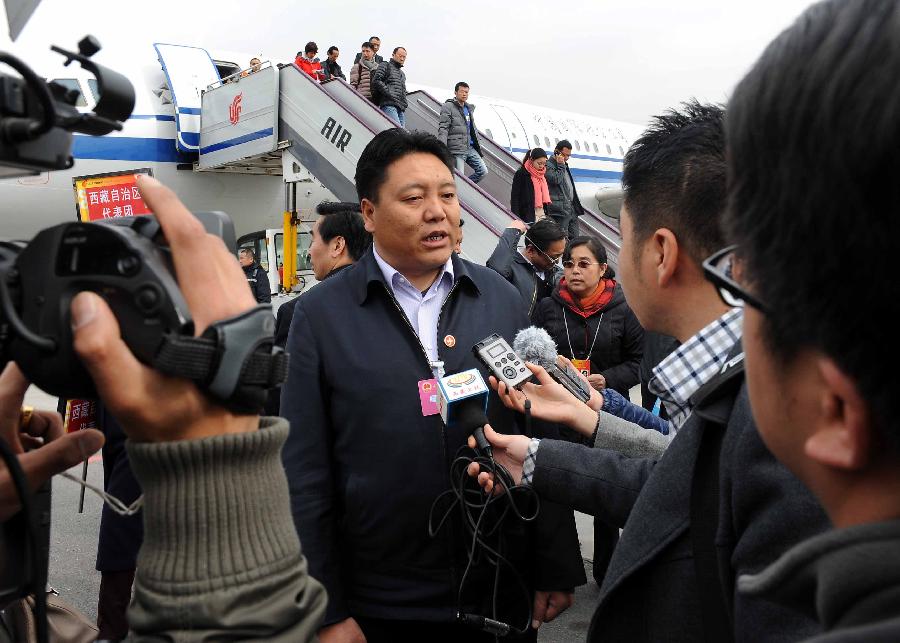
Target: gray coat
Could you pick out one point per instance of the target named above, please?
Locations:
(389, 85)
(651, 592)
(453, 129)
(563, 196)
(361, 79)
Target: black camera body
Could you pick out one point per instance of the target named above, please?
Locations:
(119, 261)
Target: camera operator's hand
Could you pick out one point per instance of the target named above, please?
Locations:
(549, 401)
(152, 407)
(44, 449)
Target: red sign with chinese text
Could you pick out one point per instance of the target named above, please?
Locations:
(109, 197)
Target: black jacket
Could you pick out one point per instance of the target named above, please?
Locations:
(283, 319)
(389, 85)
(521, 198)
(259, 283)
(364, 465)
(651, 590)
(555, 175)
(332, 70)
(517, 270)
(619, 342)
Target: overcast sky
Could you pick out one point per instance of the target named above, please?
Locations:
(622, 59)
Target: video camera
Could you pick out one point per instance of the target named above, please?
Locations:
(127, 262)
(37, 118)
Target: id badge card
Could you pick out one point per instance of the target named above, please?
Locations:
(428, 397)
(583, 366)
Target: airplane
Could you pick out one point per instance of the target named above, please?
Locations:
(253, 197)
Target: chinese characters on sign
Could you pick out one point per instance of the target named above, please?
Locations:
(109, 197)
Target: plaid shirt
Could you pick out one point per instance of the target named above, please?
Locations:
(693, 364)
(680, 375)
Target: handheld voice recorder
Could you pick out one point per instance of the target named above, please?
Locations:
(496, 353)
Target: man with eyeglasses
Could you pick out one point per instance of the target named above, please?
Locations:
(718, 504)
(820, 324)
(565, 208)
(534, 270)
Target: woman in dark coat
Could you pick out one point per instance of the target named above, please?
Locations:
(529, 181)
(588, 318)
(590, 321)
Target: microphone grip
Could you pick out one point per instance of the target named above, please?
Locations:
(484, 447)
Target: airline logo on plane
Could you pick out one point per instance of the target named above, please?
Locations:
(234, 110)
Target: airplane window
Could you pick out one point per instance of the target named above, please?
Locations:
(537, 141)
(587, 147)
(608, 149)
(70, 84)
(546, 141)
(577, 146)
(513, 134)
(488, 132)
(595, 148)
(621, 151)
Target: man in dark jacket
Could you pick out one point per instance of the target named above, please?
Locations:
(565, 207)
(456, 129)
(257, 278)
(362, 71)
(717, 504)
(821, 369)
(338, 240)
(330, 66)
(363, 346)
(389, 87)
(535, 270)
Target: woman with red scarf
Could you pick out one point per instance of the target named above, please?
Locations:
(590, 321)
(529, 188)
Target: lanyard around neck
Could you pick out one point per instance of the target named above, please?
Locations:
(597, 332)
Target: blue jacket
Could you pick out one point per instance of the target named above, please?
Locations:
(364, 465)
(615, 403)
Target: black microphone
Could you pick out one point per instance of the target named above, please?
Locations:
(470, 414)
(535, 345)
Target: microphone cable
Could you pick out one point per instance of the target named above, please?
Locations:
(483, 515)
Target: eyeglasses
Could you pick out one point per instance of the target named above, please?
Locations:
(551, 259)
(718, 270)
(584, 264)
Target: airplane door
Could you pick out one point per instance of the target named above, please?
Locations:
(518, 138)
(189, 71)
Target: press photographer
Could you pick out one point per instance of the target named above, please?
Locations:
(205, 469)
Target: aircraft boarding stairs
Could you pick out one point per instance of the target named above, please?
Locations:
(248, 123)
(323, 128)
(424, 114)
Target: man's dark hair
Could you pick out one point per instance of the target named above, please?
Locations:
(561, 145)
(311, 48)
(543, 233)
(371, 38)
(386, 148)
(343, 219)
(595, 247)
(396, 49)
(460, 84)
(249, 252)
(332, 48)
(813, 199)
(674, 177)
(366, 45)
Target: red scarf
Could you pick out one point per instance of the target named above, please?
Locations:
(593, 303)
(541, 191)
